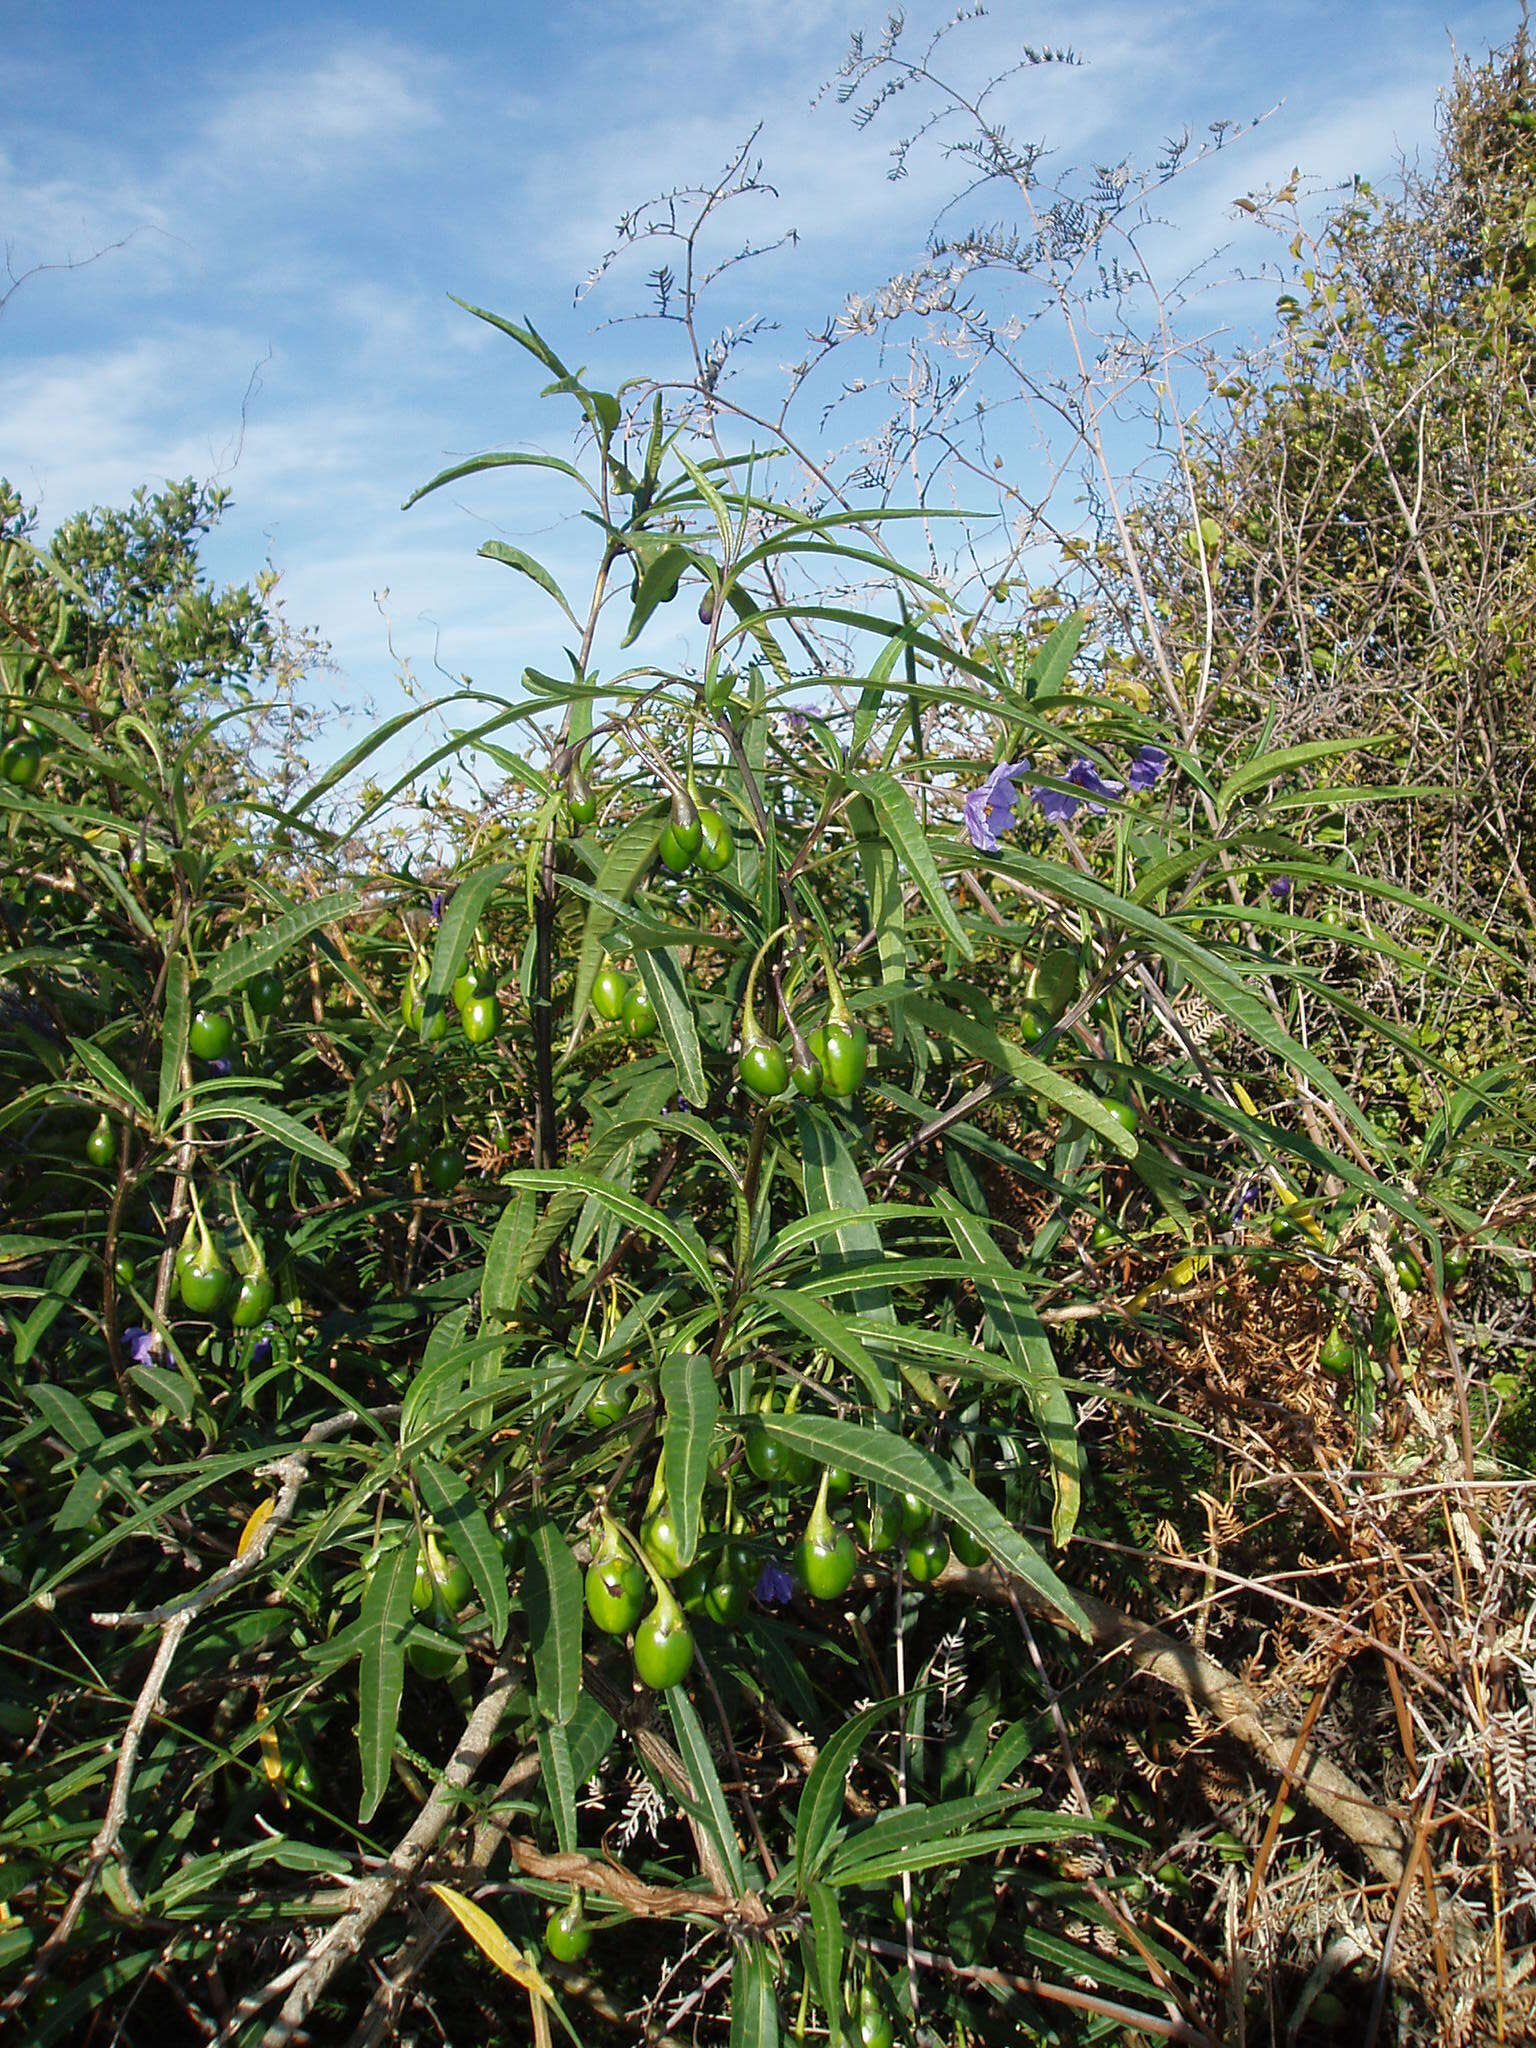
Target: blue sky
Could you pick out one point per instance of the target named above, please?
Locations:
(301, 187)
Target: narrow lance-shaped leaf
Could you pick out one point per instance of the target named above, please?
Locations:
(692, 1401)
(273, 942)
(552, 1600)
(514, 558)
(709, 1795)
(664, 984)
(386, 1617)
(1022, 1336)
(173, 1037)
(903, 1467)
(462, 1521)
(900, 823)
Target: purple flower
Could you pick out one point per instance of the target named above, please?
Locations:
(435, 908)
(1245, 1201)
(797, 721)
(1059, 808)
(1280, 888)
(261, 1351)
(1146, 768)
(775, 1586)
(139, 1345)
(994, 806)
(221, 1067)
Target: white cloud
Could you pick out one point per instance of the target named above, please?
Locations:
(337, 113)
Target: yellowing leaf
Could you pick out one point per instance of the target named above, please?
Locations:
(491, 1942)
(271, 1753)
(255, 1522)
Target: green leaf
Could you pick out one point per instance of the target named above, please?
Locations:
(499, 551)
(754, 2009)
(833, 1183)
(173, 1038)
(66, 1413)
(713, 1813)
(455, 934)
(904, 1467)
(664, 984)
(500, 1285)
(900, 823)
(386, 1619)
(655, 585)
(1040, 1078)
(559, 1782)
(821, 1800)
(629, 855)
(552, 1600)
(827, 1955)
(628, 1208)
(1269, 767)
(936, 1837)
(279, 1125)
(692, 1401)
(813, 1319)
(1022, 1336)
(459, 1515)
(1050, 662)
(882, 879)
(238, 963)
(477, 464)
(107, 1076)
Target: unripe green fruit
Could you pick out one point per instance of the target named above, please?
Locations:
(1124, 1113)
(825, 1568)
(608, 993)
(879, 1526)
(763, 1070)
(204, 1281)
(211, 1035)
(807, 1077)
(716, 845)
(659, 1535)
(640, 1019)
(610, 1404)
(927, 1557)
(21, 762)
(441, 1578)
(445, 1168)
(844, 1057)
(264, 992)
(568, 1933)
(615, 1593)
(678, 845)
(663, 1649)
(916, 1514)
(123, 1270)
(776, 1463)
(480, 1017)
(967, 1548)
(101, 1145)
(253, 1301)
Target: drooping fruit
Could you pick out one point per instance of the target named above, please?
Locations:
(640, 1019)
(716, 843)
(608, 993)
(663, 1646)
(568, 1933)
(481, 1018)
(444, 1168)
(615, 1592)
(211, 1035)
(101, 1145)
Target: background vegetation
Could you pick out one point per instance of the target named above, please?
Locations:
(849, 1359)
